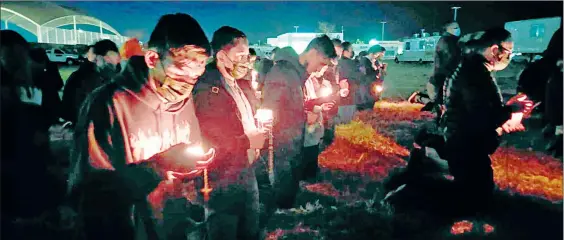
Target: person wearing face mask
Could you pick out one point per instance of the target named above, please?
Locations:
(246, 82)
(228, 125)
(90, 76)
(476, 115)
(447, 57)
(283, 94)
(133, 140)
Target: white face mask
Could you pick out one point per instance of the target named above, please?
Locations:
(35, 98)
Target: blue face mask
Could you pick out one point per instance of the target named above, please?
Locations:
(457, 32)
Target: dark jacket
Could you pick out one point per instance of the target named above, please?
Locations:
(369, 73)
(349, 70)
(474, 106)
(447, 57)
(50, 83)
(283, 94)
(25, 155)
(116, 181)
(533, 80)
(553, 106)
(221, 127)
(79, 84)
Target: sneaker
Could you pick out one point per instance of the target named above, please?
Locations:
(412, 98)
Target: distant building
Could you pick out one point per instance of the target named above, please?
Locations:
(298, 41)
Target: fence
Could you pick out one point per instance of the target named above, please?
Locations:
(72, 37)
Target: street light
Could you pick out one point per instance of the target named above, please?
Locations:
(296, 27)
(383, 22)
(455, 11)
(372, 42)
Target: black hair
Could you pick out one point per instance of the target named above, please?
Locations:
(225, 36)
(252, 52)
(376, 49)
(175, 31)
(11, 38)
(447, 24)
(274, 50)
(323, 45)
(346, 46)
(10, 41)
(481, 40)
(336, 42)
(362, 54)
(38, 55)
(101, 48)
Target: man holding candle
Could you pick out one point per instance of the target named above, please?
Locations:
(284, 96)
(133, 136)
(228, 125)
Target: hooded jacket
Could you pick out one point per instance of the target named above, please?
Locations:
(114, 175)
(283, 94)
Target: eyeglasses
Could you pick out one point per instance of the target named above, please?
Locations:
(510, 52)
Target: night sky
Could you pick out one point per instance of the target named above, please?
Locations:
(360, 20)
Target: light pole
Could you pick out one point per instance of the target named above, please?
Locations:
(259, 42)
(296, 27)
(455, 11)
(383, 24)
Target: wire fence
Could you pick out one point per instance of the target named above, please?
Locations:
(72, 37)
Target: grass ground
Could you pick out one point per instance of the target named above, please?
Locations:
(345, 202)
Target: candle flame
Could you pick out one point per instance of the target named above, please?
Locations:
(264, 115)
(378, 88)
(326, 91)
(195, 150)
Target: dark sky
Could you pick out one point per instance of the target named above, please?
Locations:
(360, 20)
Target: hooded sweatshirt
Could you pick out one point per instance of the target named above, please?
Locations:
(283, 94)
(123, 125)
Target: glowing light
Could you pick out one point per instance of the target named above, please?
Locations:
(344, 92)
(264, 115)
(378, 88)
(372, 42)
(254, 76)
(195, 150)
(326, 91)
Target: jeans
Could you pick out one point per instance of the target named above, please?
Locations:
(233, 210)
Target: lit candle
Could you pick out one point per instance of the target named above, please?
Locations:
(326, 91)
(199, 151)
(378, 88)
(265, 116)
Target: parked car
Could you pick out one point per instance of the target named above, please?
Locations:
(59, 56)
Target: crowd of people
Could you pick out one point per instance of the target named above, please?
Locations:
(182, 117)
(192, 117)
